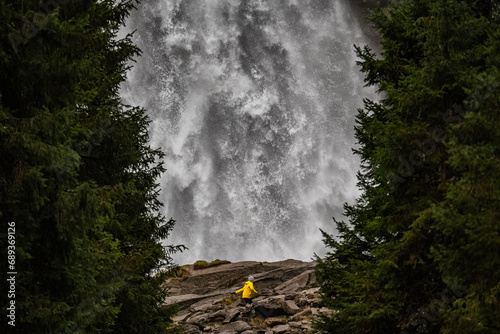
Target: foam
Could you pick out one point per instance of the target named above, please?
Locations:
(258, 153)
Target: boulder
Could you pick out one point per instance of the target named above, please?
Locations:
(237, 326)
(290, 307)
(268, 311)
(295, 284)
(307, 326)
(200, 308)
(311, 293)
(231, 315)
(219, 315)
(309, 297)
(327, 311)
(270, 302)
(281, 329)
(277, 299)
(301, 315)
(209, 329)
(181, 316)
(190, 329)
(274, 321)
(198, 319)
(184, 301)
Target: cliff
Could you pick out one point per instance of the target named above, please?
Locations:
(287, 298)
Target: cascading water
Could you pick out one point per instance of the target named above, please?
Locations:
(253, 103)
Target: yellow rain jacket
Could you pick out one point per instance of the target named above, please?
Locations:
(247, 289)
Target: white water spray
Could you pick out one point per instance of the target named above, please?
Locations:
(253, 103)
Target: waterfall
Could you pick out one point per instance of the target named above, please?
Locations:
(253, 103)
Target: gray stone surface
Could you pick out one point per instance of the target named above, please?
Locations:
(290, 307)
(231, 315)
(219, 315)
(198, 319)
(237, 326)
(274, 321)
(190, 329)
(296, 283)
(295, 324)
(302, 314)
(281, 329)
(286, 305)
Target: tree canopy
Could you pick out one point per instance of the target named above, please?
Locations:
(420, 252)
(77, 174)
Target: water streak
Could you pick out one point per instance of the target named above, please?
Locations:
(253, 103)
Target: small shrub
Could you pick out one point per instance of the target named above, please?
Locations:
(176, 273)
(200, 265)
(218, 263)
(230, 299)
(180, 272)
(204, 264)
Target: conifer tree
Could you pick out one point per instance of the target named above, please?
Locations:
(77, 176)
(410, 259)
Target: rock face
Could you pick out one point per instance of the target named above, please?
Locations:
(287, 298)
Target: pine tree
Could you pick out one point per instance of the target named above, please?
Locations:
(77, 175)
(395, 266)
(468, 217)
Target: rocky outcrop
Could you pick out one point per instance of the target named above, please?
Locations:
(287, 298)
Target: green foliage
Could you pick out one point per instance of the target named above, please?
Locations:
(230, 299)
(179, 272)
(200, 264)
(420, 252)
(77, 175)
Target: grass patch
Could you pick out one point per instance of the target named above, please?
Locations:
(204, 264)
(230, 299)
(181, 273)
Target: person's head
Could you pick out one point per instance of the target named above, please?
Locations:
(250, 278)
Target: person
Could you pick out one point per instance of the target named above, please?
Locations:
(247, 290)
